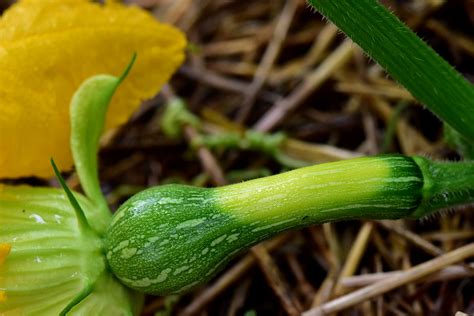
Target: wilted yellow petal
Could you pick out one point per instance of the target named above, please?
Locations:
(47, 48)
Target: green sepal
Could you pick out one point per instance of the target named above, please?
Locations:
(88, 112)
(110, 298)
(86, 291)
(81, 217)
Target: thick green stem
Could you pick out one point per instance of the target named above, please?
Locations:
(406, 58)
(446, 184)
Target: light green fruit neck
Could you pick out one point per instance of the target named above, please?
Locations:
(370, 187)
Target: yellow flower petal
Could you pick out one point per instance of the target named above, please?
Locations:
(47, 48)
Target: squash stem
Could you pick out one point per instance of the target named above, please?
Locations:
(446, 184)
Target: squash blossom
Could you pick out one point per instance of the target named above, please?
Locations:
(52, 260)
(48, 48)
(50, 264)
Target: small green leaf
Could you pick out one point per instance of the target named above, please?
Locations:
(88, 111)
(175, 116)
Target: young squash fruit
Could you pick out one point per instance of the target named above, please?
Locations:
(170, 238)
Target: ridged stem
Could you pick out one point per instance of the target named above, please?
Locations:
(446, 184)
